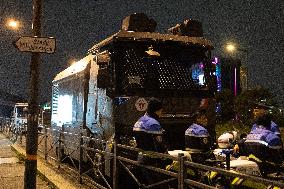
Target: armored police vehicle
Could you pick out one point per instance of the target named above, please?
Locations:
(107, 91)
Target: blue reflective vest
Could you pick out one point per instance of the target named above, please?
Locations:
(148, 125)
(261, 135)
(273, 127)
(197, 131)
(146, 131)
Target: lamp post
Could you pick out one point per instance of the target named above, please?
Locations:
(32, 114)
(32, 130)
(233, 48)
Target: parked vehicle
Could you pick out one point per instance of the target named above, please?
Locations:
(20, 114)
(106, 92)
(19, 120)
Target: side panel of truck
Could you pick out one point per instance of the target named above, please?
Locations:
(99, 107)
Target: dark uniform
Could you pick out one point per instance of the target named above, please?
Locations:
(148, 134)
(262, 143)
(273, 127)
(264, 146)
(196, 137)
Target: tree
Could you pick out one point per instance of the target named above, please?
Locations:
(245, 102)
(225, 100)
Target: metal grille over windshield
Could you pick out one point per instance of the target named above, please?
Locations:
(167, 72)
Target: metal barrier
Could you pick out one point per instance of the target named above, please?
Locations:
(105, 159)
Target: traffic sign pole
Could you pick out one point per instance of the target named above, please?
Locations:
(32, 132)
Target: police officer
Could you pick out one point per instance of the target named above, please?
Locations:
(197, 138)
(261, 116)
(260, 110)
(197, 130)
(264, 143)
(148, 131)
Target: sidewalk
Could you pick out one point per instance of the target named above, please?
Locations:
(12, 170)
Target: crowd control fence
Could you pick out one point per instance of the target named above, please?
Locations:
(100, 163)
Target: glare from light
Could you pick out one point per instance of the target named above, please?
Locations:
(13, 24)
(231, 47)
(64, 115)
(78, 66)
(201, 79)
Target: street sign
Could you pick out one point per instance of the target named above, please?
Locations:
(36, 44)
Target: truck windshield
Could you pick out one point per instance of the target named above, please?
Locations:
(176, 69)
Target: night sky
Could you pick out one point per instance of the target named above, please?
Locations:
(255, 25)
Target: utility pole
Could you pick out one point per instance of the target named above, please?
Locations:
(32, 130)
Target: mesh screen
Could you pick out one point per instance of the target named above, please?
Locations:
(167, 72)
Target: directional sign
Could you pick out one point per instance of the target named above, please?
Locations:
(36, 44)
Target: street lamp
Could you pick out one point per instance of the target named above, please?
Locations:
(233, 48)
(230, 48)
(12, 24)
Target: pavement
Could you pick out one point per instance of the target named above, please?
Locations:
(12, 169)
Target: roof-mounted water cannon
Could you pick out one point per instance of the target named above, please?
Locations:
(191, 28)
(138, 22)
